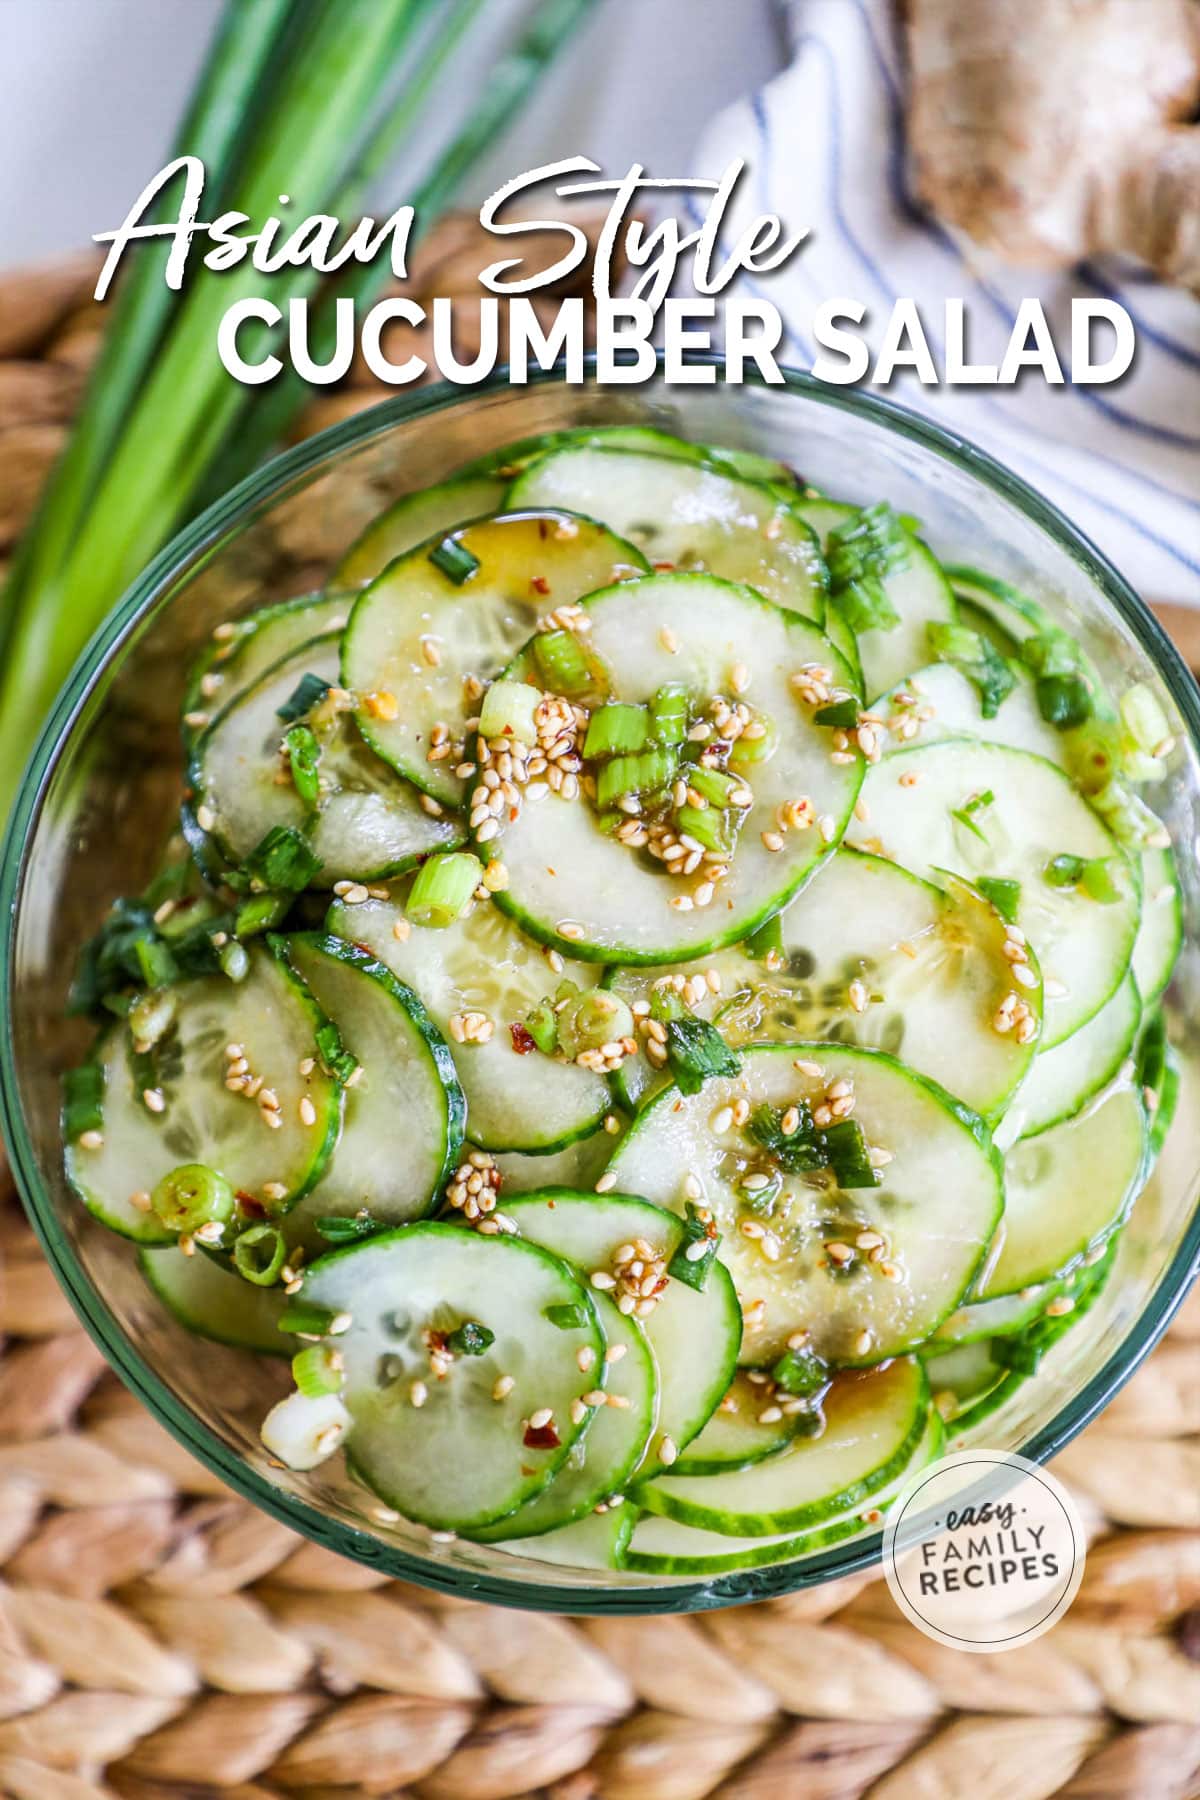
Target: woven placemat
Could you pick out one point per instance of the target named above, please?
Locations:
(160, 1639)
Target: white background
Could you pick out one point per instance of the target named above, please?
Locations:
(92, 90)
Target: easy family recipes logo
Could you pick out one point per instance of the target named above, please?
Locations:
(693, 286)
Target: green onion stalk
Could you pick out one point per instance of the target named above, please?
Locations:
(295, 98)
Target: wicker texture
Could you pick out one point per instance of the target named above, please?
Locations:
(162, 1640)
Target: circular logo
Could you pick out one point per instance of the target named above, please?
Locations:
(983, 1550)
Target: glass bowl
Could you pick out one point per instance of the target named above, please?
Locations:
(99, 796)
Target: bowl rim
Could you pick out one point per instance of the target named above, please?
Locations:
(220, 522)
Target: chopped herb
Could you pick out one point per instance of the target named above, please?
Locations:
(709, 827)
(797, 1152)
(767, 940)
(696, 1051)
(617, 728)
(848, 1155)
(315, 1371)
(282, 860)
(83, 1100)
(333, 1052)
(304, 756)
(842, 715)
(800, 1372)
(1091, 874)
(1063, 871)
(978, 659)
(1064, 700)
(156, 961)
(861, 554)
(965, 814)
(562, 662)
(455, 561)
(261, 912)
(693, 1270)
(342, 1230)
(1004, 895)
(308, 691)
(470, 1339)
(258, 1256)
(669, 714)
(308, 1320)
(542, 1026)
(569, 1316)
(639, 774)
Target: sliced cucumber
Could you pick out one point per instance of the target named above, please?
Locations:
(460, 1459)
(985, 1319)
(822, 514)
(404, 1110)
(692, 515)
(694, 1333)
(368, 822)
(614, 1444)
(662, 1546)
(1065, 1078)
(580, 1165)
(230, 664)
(213, 1302)
(962, 1377)
(275, 1020)
(928, 969)
(734, 973)
(418, 634)
(840, 635)
(873, 1424)
(483, 963)
(735, 1437)
(929, 809)
(1160, 933)
(1067, 1191)
(935, 1210)
(595, 1542)
(939, 702)
(920, 596)
(576, 887)
(414, 518)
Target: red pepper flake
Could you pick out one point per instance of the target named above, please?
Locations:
(663, 568)
(522, 1042)
(250, 1204)
(543, 528)
(539, 584)
(365, 948)
(543, 1438)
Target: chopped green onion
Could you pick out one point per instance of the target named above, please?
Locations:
(796, 1152)
(442, 889)
(696, 1051)
(261, 912)
(1063, 871)
(304, 757)
(976, 658)
(316, 1371)
(283, 860)
(591, 1020)
(259, 1253)
(848, 1154)
(1097, 881)
(308, 691)
(562, 662)
(754, 750)
(192, 1195)
(1143, 717)
(710, 828)
(965, 814)
(155, 960)
(83, 1100)
(151, 1016)
(713, 785)
(470, 1339)
(669, 714)
(1004, 895)
(1152, 1053)
(508, 711)
(692, 1269)
(800, 1372)
(617, 728)
(340, 1229)
(1127, 816)
(333, 1052)
(842, 715)
(303, 1318)
(542, 1026)
(633, 775)
(861, 554)
(1064, 700)
(453, 558)
(566, 1316)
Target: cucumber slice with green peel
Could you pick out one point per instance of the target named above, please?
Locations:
(1065, 1078)
(845, 643)
(460, 1459)
(961, 1377)
(595, 1542)
(873, 1424)
(404, 1112)
(580, 1165)
(938, 701)
(975, 618)
(822, 515)
(932, 1216)
(735, 1437)
(987, 811)
(1067, 1191)
(414, 518)
(602, 1460)
(212, 1301)
(913, 587)
(236, 660)
(275, 1020)
(693, 1332)
(1163, 1100)
(980, 1320)
(659, 1545)
(693, 515)
(418, 634)
(367, 824)
(483, 963)
(750, 465)
(1160, 933)
(877, 956)
(576, 887)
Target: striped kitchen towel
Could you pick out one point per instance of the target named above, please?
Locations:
(824, 145)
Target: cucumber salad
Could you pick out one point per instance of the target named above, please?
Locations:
(654, 1009)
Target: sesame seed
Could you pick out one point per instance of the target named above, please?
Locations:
(739, 678)
(91, 1140)
(594, 1397)
(619, 1401)
(772, 841)
(585, 1357)
(667, 1451)
(722, 1120)
(862, 1343)
(153, 1098)
(770, 1415)
(418, 1394)
(858, 996)
(540, 1418)
(140, 1200)
(1024, 975)
(605, 1183)
(668, 640)
(600, 1278)
(431, 652)
(340, 1324)
(205, 818)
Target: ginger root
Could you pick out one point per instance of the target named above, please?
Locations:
(1060, 129)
